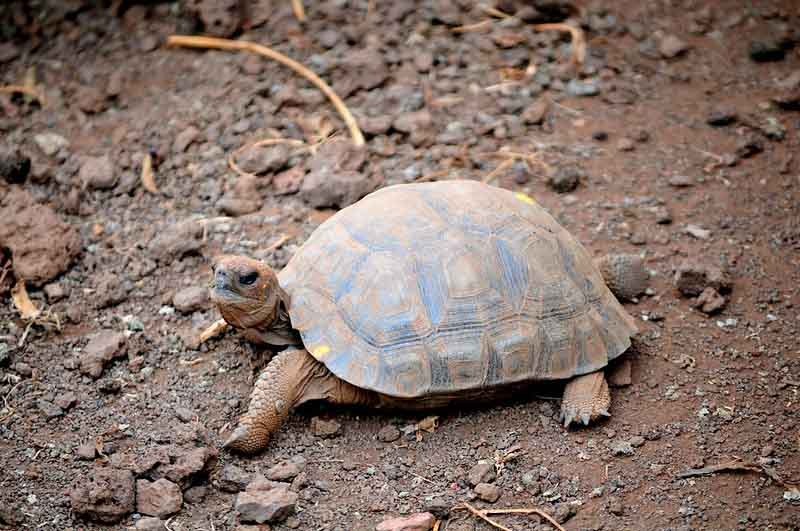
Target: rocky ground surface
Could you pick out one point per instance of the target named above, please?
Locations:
(676, 139)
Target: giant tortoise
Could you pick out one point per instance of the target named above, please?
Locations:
(422, 294)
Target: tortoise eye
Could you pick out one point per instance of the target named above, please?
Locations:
(249, 278)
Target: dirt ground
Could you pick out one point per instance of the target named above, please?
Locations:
(682, 127)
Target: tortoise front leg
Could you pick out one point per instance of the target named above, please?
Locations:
(291, 378)
(586, 398)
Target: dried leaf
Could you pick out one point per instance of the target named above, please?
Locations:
(148, 177)
(428, 424)
(22, 302)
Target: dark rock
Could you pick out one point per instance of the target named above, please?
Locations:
(710, 301)
(265, 506)
(86, 450)
(107, 496)
(375, 125)
(535, 113)
(8, 52)
(722, 116)
(565, 179)
(14, 164)
(42, 245)
(481, 473)
(195, 494)
(414, 522)
(564, 511)
(681, 181)
(766, 51)
(191, 299)
(626, 144)
(97, 173)
(160, 498)
(389, 433)
(185, 414)
(101, 349)
(408, 122)
(55, 292)
(366, 69)
(50, 143)
(286, 470)
(233, 479)
(91, 100)
(220, 18)
(49, 409)
(191, 464)
(338, 176)
(261, 160)
(289, 181)
(615, 507)
(176, 241)
(487, 492)
(584, 88)
(692, 277)
(671, 46)
(747, 147)
(66, 400)
(327, 429)
(600, 136)
(637, 441)
(149, 523)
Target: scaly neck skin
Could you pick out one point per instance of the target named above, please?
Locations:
(276, 329)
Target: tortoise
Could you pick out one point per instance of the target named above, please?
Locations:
(422, 294)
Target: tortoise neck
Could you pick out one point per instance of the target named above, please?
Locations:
(277, 329)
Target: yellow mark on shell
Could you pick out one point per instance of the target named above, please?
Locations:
(525, 198)
(320, 352)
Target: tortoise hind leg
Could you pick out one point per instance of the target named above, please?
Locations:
(290, 379)
(586, 398)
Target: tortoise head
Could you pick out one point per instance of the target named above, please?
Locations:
(245, 291)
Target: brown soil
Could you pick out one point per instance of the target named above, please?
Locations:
(705, 388)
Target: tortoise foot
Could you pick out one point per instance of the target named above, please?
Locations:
(245, 440)
(586, 399)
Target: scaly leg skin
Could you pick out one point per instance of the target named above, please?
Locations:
(291, 378)
(586, 398)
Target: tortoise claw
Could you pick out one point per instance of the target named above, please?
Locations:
(568, 417)
(238, 438)
(604, 413)
(585, 419)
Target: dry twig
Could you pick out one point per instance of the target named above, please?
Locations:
(486, 512)
(473, 27)
(227, 44)
(299, 10)
(148, 177)
(578, 40)
(737, 465)
(216, 328)
(482, 516)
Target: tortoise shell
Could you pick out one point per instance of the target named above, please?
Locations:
(422, 289)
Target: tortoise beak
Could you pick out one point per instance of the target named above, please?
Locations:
(223, 279)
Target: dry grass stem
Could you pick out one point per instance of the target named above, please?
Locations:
(21, 89)
(216, 328)
(261, 143)
(503, 166)
(148, 177)
(578, 40)
(483, 516)
(227, 44)
(299, 10)
(278, 243)
(485, 513)
(494, 12)
(473, 27)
